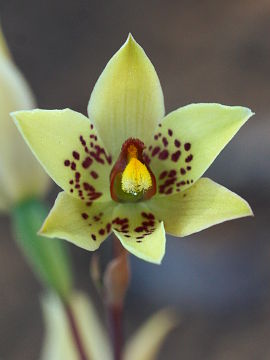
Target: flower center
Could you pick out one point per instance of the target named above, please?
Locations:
(131, 179)
(136, 177)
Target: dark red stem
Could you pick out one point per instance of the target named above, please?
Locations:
(115, 320)
(75, 333)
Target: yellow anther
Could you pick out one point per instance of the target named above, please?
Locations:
(136, 177)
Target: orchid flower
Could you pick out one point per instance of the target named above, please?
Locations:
(129, 170)
(59, 343)
(21, 176)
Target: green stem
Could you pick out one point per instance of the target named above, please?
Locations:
(48, 257)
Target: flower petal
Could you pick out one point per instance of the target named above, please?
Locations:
(139, 231)
(146, 342)
(59, 341)
(20, 174)
(188, 140)
(67, 145)
(4, 50)
(127, 100)
(205, 204)
(72, 220)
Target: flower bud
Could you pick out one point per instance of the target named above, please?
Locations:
(21, 176)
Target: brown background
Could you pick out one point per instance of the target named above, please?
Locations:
(216, 51)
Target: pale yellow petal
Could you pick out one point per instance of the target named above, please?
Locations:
(72, 220)
(147, 341)
(20, 174)
(59, 342)
(204, 204)
(139, 231)
(127, 100)
(68, 147)
(188, 140)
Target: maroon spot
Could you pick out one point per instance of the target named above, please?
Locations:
(108, 227)
(187, 146)
(150, 147)
(192, 181)
(95, 196)
(163, 155)
(73, 165)
(71, 182)
(163, 175)
(170, 132)
(182, 171)
(189, 158)
(159, 125)
(188, 168)
(88, 187)
(155, 151)
(177, 143)
(89, 203)
(148, 216)
(87, 162)
(94, 174)
(84, 216)
(77, 176)
(172, 173)
(66, 162)
(77, 186)
(83, 142)
(93, 236)
(139, 229)
(91, 126)
(71, 190)
(156, 137)
(127, 236)
(101, 232)
(169, 191)
(181, 183)
(76, 155)
(165, 141)
(175, 156)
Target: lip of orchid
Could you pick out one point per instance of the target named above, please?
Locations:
(131, 179)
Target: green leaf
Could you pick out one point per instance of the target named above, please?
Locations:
(48, 257)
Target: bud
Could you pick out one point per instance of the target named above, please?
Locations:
(21, 176)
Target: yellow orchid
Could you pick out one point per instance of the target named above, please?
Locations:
(59, 343)
(129, 170)
(21, 176)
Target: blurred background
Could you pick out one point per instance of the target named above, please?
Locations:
(203, 51)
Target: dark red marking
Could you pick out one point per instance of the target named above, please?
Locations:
(93, 236)
(170, 132)
(73, 165)
(83, 142)
(163, 175)
(87, 162)
(188, 168)
(177, 143)
(76, 155)
(163, 155)
(182, 171)
(175, 156)
(101, 232)
(85, 216)
(66, 162)
(165, 141)
(155, 151)
(189, 158)
(172, 173)
(187, 146)
(94, 174)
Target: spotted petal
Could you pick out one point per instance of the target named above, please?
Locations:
(72, 220)
(205, 204)
(68, 146)
(139, 231)
(188, 140)
(127, 100)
